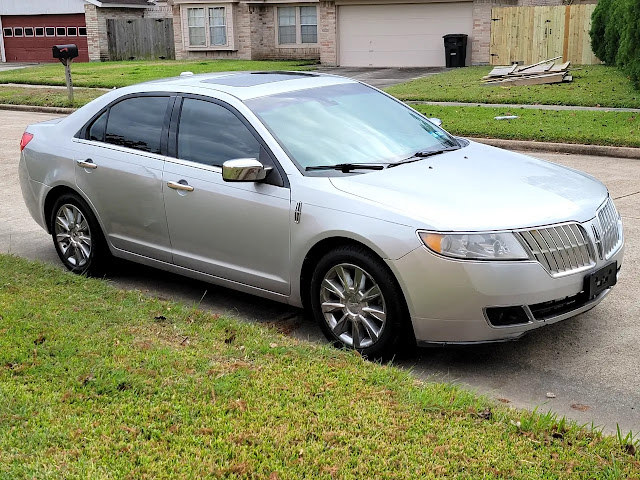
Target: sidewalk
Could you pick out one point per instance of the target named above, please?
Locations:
(51, 87)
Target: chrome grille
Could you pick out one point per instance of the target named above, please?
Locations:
(561, 248)
(609, 232)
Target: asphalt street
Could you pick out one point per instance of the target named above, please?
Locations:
(591, 363)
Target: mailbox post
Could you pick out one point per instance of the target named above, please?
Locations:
(66, 54)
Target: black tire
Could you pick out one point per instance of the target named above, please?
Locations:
(92, 257)
(395, 326)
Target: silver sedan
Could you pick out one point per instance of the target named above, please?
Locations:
(324, 193)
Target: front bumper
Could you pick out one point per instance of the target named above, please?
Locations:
(448, 298)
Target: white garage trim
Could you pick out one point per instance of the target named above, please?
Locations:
(400, 35)
(3, 58)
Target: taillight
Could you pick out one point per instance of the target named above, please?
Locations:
(26, 138)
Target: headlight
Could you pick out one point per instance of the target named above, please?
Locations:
(477, 246)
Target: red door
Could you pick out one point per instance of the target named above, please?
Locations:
(29, 38)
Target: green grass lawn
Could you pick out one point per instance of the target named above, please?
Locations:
(595, 128)
(101, 383)
(593, 85)
(47, 97)
(120, 74)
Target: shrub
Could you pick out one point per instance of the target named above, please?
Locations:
(628, 56)
(599, 21)
(615, 35)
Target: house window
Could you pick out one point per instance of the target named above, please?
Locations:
(308, 25)
(207, 26)
(286, 25)
(50, 31)
(82, 31)
(297, 25)
(61, 31)
(17, 31)
(7, 32)
(28, 31)
(39, 31)
(197, 30)
(72, 31)
(217, 26)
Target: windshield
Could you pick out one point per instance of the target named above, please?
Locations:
(344, 124)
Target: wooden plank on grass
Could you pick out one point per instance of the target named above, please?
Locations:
(533, 80)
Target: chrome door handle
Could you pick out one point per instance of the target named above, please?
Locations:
(88, 163)
(180, 186)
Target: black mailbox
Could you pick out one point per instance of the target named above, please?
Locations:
(65, 52)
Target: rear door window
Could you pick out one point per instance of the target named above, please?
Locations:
(97, 128)
(137, 123)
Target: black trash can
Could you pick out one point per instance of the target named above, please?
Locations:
(455, 49)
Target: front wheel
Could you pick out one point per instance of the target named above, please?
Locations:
(77, 236)
(357, 302)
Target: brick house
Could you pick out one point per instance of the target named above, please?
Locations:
(384, 33)
(378, 33)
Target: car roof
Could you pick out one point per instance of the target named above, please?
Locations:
(247, 85)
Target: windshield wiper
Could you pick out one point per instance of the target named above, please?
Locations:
(422, 154)
(347, 167)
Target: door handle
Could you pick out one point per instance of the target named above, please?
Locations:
(88, 163)
(180, 186)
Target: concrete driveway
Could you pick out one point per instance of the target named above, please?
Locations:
(590, 363)
(382, 77)
(14, 65)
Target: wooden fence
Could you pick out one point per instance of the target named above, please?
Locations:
(141, 38)
(532, 34)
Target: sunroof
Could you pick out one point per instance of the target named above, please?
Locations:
(256, 78)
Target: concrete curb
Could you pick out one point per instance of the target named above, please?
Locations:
(571, 148)
(34, 108)
(557, 108)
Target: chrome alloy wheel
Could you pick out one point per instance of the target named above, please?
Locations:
(353, 305)
(73, 235)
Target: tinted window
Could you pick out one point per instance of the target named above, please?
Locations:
(28, 32)
(137, 123)
(61, 31)
(82, 31)
(97, 128)
(39, 31)
(72, 31)
(17, 31)
(50, 31)
(8, 32)
(211, 134)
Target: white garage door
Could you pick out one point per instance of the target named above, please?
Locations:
(401, 35)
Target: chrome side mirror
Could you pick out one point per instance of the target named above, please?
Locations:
(436, 121)
(244, 170)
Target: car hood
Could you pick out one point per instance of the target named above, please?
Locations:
(480, 188)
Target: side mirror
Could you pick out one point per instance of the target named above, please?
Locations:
(436, 121)
(244, 170)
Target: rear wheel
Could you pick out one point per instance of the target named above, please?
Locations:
(77, 236)
(357, 302)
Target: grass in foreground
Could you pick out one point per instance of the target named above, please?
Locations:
(594, 128)
(593, 85)
(121, 74)
(100, 383)
(47, 97)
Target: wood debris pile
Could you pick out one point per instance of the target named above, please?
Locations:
(537, 74)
